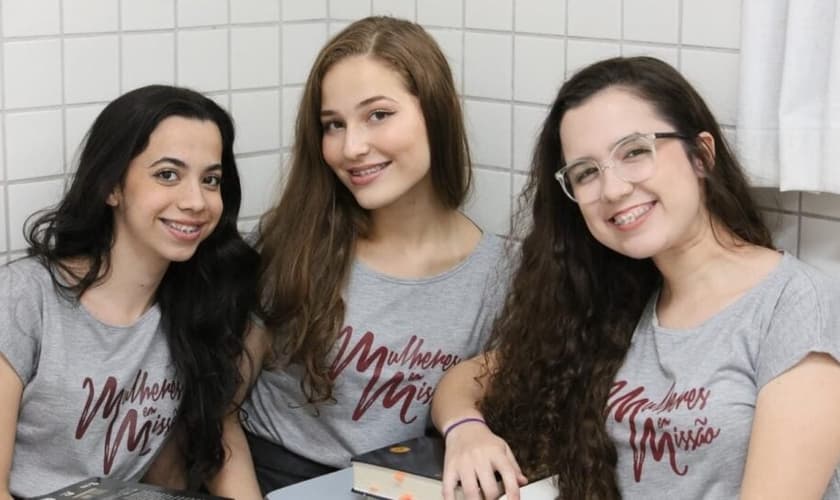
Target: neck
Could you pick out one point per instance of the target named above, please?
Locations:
(128, 290)
(705, 265)
(413, 220)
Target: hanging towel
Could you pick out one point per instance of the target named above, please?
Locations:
(788, 124)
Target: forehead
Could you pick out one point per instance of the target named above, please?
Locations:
(355, 78)
(605, 118)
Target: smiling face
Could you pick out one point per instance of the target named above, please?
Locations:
(648, 218)
(374, 135)
(170, 200)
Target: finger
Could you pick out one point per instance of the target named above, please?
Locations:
(487, 478)
(450, 480)
(508, 470)
(469, 484)
(521, 478)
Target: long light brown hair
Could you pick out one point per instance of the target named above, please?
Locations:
(574, 303)
(307, 239)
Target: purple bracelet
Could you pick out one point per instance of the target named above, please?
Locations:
(459, 422)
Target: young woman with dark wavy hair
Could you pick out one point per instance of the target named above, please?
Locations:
(122, 330)
(654, 344)
(373, 280)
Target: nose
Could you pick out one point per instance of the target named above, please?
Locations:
(191, 196)
(613, 187)
(355, 142)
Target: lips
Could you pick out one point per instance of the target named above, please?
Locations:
(629, 216)
(186, 230)
(360, 176)
(365, 171)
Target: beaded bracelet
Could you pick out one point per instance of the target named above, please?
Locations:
(459, 422)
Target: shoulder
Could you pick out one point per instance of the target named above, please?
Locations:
(25, 276)
(806, 289)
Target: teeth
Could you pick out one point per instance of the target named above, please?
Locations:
(628, 217)
(368, 171)
(182, 227)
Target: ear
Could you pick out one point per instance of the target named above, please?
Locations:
(706, 161)
(113, 199)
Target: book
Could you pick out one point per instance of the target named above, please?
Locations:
(409, 470)
(113, 489)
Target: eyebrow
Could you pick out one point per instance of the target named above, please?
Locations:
(363, 103)
(610, 148)
(181, 164)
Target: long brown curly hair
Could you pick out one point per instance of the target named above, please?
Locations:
(307, 240)
(574, 303)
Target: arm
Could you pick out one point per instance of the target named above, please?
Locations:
(473, 452)
(11, 389)
(168, 468)
(795, 441)
(236, 478)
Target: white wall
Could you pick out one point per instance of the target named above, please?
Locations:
(62, 60)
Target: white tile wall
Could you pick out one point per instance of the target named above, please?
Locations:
(202, 12)
(260, 176)
(4, 246)
(297, 10)
(538, 64)
(489, 130)
(91, 69)
(90, 16)
(488, 65)
(254, 11)
(594, 18)
(257, 117)
(397, 8)
(77, 121)
(26, 198)
(250, 68)
(32, 73)
(62, 60)
(147, 58)
(203, 59)
(147, 14)
(451, 42)
(441, 13)
(34, 144)
(291, 101)
(30, 17)
(349, 9)
(540, 16)
(301, 43)
(489, 14)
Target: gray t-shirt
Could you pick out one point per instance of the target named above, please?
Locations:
(98, 400)
(399, 337)
(681, 409)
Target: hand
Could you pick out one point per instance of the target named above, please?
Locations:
(473, 455)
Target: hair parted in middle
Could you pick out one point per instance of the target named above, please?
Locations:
(574, 303)
(307, 239)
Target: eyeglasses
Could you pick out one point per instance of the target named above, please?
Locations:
(633, 159)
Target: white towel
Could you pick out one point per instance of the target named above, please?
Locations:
(788, 127)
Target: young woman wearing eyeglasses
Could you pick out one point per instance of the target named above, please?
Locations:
(654, 343)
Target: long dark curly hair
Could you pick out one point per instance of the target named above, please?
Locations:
(204, 301)
(307, 240)
(574, 303)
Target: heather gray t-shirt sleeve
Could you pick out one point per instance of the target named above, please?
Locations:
(806, 320)
(20, 321)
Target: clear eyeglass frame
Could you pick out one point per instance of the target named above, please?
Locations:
(625, 169)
